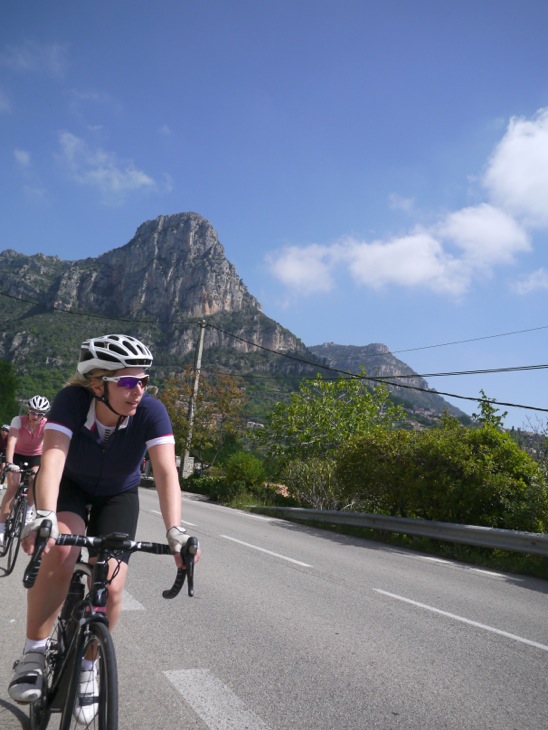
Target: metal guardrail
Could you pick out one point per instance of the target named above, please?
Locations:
(490, 537)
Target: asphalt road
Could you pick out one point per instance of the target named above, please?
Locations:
(296, 628)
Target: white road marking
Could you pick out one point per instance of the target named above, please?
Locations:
(464, 620)
(269, 552)
(183, 522)
(460, 566)
(213, 701)
(256, 517)
(130, 604)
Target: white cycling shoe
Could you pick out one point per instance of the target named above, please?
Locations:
(28, 677)
(87, 697)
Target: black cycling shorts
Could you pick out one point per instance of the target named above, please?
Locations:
(20, 459)
(114, 513)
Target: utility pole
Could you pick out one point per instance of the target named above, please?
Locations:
(192, 402)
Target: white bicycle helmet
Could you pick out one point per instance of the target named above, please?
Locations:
(113, 352)
(38, 403)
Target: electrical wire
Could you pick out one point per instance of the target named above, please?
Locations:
(379, 379)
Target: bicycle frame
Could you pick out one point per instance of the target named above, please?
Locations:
(15, 520)
(84, 608)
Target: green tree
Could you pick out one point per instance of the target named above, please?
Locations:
(487, 415)
(218, 418)
(8, 390)
(322, 415)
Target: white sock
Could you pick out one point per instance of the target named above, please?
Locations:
(87, 664)
(2, 527)
(35, 645)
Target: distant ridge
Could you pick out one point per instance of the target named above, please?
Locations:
(378, 361)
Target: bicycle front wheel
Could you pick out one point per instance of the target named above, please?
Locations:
(14, 537)
(92, 701)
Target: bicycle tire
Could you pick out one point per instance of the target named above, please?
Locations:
(98, 640)
(14, 538)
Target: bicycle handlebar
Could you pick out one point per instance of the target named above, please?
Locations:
(116, 541)
(33, 567)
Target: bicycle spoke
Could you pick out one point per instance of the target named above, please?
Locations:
(15, 534)
(93, 701)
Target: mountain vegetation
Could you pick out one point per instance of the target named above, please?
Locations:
(172, 275)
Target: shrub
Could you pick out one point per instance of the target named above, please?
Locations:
(452, 474)
(313, 484)
(245, 470)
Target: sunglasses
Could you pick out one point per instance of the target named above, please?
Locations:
(127, 381)
(36, 413)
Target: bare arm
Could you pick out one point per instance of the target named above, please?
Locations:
(10, 446)
(54, 455)
(166, 479)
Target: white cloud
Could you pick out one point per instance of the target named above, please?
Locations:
(445, 258)
(22, 157)
(102, 170)
(537, 281)
(517, 172)
(307, 269)
(49, 59)
(485, 235)
(397, 202)
(413, 260)
(462, 247)
(5, 103)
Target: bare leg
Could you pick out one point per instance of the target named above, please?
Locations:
(13, 480)
(114, 602)
(30, 493)
(45, 599)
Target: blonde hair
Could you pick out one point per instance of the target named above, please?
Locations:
(84, 381)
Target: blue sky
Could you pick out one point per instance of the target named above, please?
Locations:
(376, 171)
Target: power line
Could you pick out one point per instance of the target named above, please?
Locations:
(379, 379)
(474, 339)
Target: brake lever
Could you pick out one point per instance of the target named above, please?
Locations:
(33, 567)
(187, 554)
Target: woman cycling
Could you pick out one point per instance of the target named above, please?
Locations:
(24, 446)
(100, 425)
(4, 431)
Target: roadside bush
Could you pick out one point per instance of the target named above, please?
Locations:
(452, 474)
(245, 469)
(312, 483)
(209, 486)
(375, 472)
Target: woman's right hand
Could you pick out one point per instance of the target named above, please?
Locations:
(28, 536)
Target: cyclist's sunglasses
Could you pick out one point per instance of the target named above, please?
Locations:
(37, 413)
(127, 381)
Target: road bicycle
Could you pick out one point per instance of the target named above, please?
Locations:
(81, 630)
(16, 519)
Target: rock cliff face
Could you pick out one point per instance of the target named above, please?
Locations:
(159, 286)
(173, 273)
(174, 265)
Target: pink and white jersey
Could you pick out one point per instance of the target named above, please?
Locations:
(28, 443)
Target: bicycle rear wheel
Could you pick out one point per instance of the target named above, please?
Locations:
(100, 709)
(14, 537)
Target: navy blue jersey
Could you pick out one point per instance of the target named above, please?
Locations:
(114, 467)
